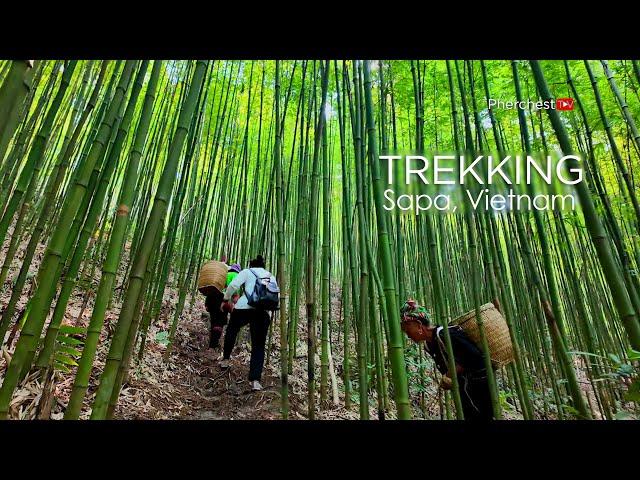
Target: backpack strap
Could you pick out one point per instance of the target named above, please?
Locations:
(257, 276)
(244, 285)
(254, 286)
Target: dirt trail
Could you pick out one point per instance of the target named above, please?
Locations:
(188, 385)
(191, 385)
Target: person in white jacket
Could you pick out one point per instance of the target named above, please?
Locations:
(243, 314)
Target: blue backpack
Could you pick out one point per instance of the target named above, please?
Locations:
(266, 293)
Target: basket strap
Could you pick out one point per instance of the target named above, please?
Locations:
(443, 350)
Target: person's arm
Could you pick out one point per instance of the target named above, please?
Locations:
(447, 382)
(235, 284)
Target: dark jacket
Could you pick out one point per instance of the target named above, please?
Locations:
(465, 351)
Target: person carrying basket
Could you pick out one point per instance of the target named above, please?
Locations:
(472, 375)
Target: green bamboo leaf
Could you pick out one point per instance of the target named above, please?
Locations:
(64, 359)
(71, 330)
(623, 415)
(633, 354)
(69, 340)
(614, 358)
(575, 352)
(61, 366)
(571, 410)
(625, 370)
(633, 393)
(68, 350)
(239, 158)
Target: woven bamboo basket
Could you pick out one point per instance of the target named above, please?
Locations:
(496, 330)
(213, 275)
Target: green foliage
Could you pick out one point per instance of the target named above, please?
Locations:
(571, 410)
(162, 338)
(624, 415)
(65, 354)
(633, 393)
(506, 400)
(622, 371)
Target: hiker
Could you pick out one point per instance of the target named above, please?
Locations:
(213, 303)
(233, 272)
(472, 377)
(218, 319)
(242, 314)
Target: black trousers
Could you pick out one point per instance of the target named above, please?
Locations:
(258, 321)
(476, 398)
(218, 318)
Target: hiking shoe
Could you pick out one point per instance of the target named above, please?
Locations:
(255, 386)
(224, 363)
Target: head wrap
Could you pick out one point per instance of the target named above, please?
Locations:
(412, 311)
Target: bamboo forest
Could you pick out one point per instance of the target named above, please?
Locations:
(124, 183)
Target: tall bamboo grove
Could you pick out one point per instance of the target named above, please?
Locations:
(120, 179)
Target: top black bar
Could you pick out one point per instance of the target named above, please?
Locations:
(391, 33)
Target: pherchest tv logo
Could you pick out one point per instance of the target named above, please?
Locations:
(563, 103)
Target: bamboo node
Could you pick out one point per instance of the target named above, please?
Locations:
(122, 210)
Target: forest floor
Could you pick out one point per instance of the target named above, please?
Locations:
(189, 384)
